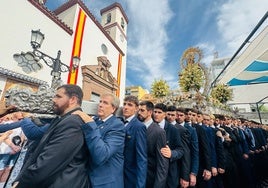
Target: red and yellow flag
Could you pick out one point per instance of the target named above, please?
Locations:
(77, 45)
(119, 70)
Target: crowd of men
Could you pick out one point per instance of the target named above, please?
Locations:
(143, 145)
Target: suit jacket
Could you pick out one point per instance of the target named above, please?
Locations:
(250, 138)
(211, 141)
(174, 142)
(106, 146)
(60, 159)
(221, 156)
(204, 157)
(243, 141)
(204, 149)
(234, 144)
(194, 148)
(228, 150)
(185, 161)
(157, 163)
(259, 137)
(135, 153)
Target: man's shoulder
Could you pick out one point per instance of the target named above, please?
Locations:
(72, 120)
(156, 128)
(173, 130)
(188, 126)
(114, 121)
(171, 126)
(135, 122)
(180, 127)
(68, 124)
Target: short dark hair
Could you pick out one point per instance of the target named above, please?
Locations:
(219, 116)
(149, 105)
(161, 106)
(182, 110)
(243, 120)
(199, 112)
(194, 110)
(188, 110)
(171, 108)
(133, 99)
(73, 90)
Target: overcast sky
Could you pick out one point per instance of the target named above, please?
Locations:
(159, 31)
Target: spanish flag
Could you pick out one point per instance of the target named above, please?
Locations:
(77, 45)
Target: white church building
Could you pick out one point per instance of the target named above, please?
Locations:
(69, 31)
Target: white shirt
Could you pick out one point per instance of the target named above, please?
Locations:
(129, 119)
(162, 124)
(173, 123)
(148, 123)
(107, 118)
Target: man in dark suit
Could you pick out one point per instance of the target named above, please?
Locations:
(173, 149)
(213, 155)
(232, 149)
(220, 155)
(184, 118)
(219, 139)
(204, 172)
(52, 164)
(105, 139)
(184, 163)
(226, 165)
(135, 152)
(157, 170)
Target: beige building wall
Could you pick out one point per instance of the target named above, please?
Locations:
(137, 91)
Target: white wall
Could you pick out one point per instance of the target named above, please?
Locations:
(18, 18)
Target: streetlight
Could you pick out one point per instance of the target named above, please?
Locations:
(30, 61)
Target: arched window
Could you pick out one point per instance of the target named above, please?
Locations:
(122, 23)
(109, 17)
(104, 49)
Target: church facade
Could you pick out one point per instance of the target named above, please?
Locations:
(73, 31)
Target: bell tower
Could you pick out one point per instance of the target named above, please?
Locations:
(114, 20)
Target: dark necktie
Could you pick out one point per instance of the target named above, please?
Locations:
(99, 121)
(123, 120)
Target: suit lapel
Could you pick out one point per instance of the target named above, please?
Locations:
(166, 126)
(167, 130)
(103, 126)
(149, 129)
(130, 123)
